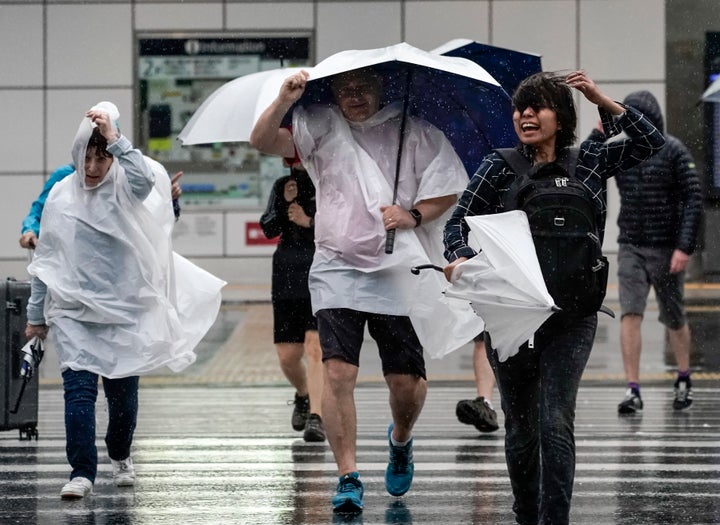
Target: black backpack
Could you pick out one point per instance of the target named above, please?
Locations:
(564, 226)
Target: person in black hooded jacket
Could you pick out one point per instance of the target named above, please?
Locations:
(660, 214)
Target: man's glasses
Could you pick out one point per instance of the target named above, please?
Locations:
(355, 91)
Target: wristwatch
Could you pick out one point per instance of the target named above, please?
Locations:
(417, 216)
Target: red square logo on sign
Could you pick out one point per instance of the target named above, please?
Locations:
(254, 235)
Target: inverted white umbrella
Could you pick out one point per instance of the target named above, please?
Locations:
(230, 112)
(503, 282)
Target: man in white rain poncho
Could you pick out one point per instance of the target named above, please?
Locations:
(350, 151)
(103, 290)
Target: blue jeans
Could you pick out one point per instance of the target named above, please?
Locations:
(81, 389)
(538, 389)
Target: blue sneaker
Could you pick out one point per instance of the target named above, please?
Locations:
(400, 469)
(349, 494)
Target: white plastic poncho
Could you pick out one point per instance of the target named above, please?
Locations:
(112, 303)
(350, 268)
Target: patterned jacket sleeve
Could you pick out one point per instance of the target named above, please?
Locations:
(643, 141)
(481, 197)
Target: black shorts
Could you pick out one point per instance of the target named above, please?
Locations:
(341, 335)
(292, 318)
(480, 338)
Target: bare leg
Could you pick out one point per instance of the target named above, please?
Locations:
(680, 344)
(631, 345)
(315, 373)
(340, 416)
(484, 376)
(290, 356)
(407, 397)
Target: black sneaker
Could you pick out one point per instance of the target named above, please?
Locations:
(314, 431)
(300, 412)
(683, 394)
(631, 404)
(477, 413)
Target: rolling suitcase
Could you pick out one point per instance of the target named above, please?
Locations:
(18, 395)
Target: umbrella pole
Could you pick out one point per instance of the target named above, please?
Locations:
(390, 239)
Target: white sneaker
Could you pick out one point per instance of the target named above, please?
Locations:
(123, 472)
(76, 488)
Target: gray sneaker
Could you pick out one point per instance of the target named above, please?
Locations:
(300, 412)
(314, 431)
(123, 472)
(683, 394)
(476, 412)
(631, 404)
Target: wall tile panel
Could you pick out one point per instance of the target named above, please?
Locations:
(21, 28)
(89, 45)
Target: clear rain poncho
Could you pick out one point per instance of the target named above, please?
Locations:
(350, 268)
(119, 301)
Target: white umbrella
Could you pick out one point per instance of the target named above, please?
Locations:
(230, 112)
(712, 93)
(504, 283)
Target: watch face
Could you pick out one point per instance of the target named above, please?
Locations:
(417, 216)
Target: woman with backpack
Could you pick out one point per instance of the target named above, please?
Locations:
(538, 385)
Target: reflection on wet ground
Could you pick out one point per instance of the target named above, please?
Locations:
(214, 443)
(228, 455)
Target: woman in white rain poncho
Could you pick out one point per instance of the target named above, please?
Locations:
(103, 282)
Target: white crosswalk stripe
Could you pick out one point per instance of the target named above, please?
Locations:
(228, 455)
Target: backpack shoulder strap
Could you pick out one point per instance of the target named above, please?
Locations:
(568, 160)
(517, 162)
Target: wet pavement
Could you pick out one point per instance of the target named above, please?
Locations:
(214, 444)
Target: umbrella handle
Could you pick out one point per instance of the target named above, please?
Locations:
(390, 241)
(415, 270)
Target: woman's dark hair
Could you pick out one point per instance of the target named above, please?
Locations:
(99, 142)
(549, 90)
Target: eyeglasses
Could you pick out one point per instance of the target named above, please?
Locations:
(355, 91)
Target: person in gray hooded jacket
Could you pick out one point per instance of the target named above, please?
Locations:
(660, 214)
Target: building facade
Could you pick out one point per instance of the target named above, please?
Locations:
(59, 57)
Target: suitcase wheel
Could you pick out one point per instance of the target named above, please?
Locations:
(28, 433)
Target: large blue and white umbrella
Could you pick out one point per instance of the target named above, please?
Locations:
(454, 94)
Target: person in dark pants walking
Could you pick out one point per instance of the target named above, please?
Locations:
(538, 385)
(103, 291)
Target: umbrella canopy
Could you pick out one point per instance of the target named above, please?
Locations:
(712, 93)
(504, 283)
(230, 112)
(454, 94)
(509, 68)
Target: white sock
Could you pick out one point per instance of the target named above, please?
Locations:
(397, 443)
(489, 404)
